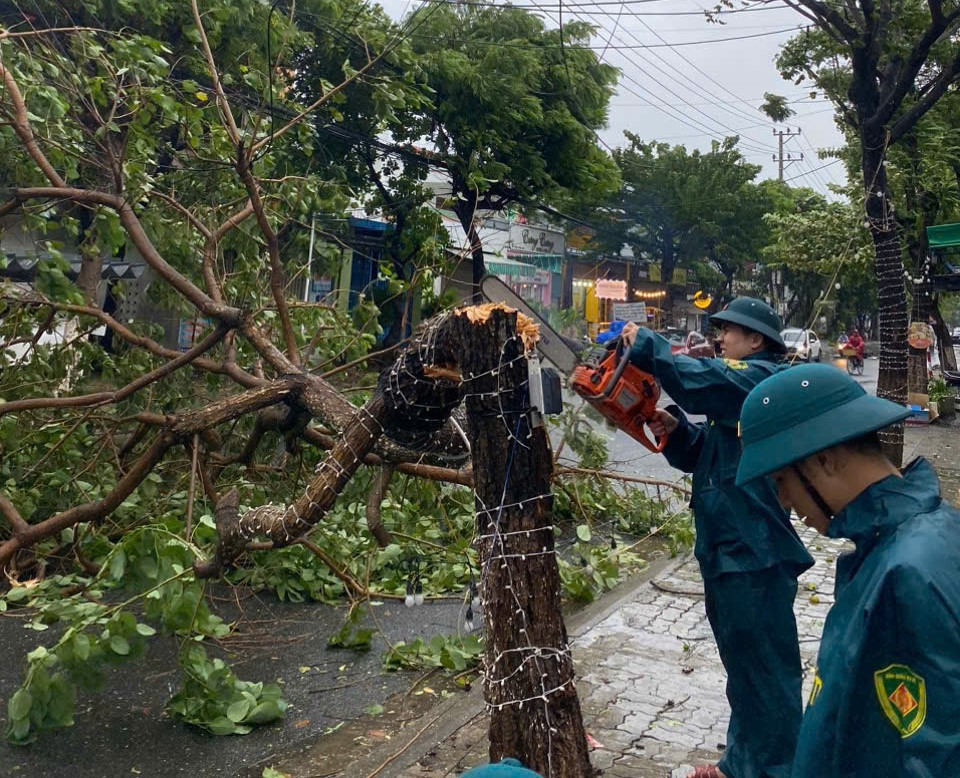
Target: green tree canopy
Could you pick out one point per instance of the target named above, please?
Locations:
(512, 112)
(678, 208)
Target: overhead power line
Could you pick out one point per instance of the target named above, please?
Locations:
(687, 119)
(545, 6)
(500, 44)
(812, 170)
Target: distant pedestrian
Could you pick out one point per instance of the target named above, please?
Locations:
(885, 700)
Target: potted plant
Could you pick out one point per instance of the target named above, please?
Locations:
(941, 394)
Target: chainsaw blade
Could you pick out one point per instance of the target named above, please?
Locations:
(561, 351)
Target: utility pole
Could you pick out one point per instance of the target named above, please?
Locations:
(783, 135)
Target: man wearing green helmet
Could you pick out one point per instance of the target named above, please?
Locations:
(749, 554)
(885, 699)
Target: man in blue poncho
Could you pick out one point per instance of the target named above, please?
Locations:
(885, 699)
(750, 556)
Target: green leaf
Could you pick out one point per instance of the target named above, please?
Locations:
(264, 713)
(19, 706)
(18, 594)
(19, 731)
(118, 564)
(81, 646)
(238, 711)
(583, 532)
(222, 726)
(119, 645)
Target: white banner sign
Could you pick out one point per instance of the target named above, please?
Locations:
(630, 312)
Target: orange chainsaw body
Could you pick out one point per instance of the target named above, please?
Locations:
(622, 393)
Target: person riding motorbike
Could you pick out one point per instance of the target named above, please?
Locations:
(856, 342)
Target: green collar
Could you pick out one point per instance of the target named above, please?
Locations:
(887, 504)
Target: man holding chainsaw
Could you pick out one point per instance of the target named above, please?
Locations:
(749, 554)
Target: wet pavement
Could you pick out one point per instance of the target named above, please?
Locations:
(650, 681)
(123, 730)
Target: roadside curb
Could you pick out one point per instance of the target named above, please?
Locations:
(456, 714)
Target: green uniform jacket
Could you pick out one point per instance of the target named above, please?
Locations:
(739, 529)
(886, 697)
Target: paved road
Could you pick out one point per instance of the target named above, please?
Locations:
(123, 731)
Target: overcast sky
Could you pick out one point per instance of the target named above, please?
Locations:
(694, 93)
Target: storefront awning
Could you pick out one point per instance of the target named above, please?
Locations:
(509, 267)
(943, 236)
(551, 262)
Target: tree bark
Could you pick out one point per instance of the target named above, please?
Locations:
(891, 292)
(529, 680)
(91, 263)
(284, 525)
(466, 211)
(948, 357)
(922, 204)
(378, 489)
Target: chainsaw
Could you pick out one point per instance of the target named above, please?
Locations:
(620, 392)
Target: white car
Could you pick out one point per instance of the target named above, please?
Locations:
(803, 345)
(956, 333)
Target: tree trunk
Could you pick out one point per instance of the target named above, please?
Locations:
(466, 211)
(669, 259)
(529, 680)
(919, 203)
(566, 292)
(917, 373)
(378, 490)
(91, 263)
(891, 293)
(948, 357)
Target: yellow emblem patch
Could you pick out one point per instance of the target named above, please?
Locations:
(815, 689)
(735, 364)
(903, 697)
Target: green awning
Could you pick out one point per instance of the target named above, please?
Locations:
(508, 267)
(944, 236)
(551, 262)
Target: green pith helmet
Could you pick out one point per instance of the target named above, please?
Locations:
(803, 410)
(755, 315)
(508, 768)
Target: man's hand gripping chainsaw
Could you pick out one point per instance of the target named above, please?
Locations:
(621, 393)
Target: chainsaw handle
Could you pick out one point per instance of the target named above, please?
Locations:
(621, 366)
(656, 448)
(641, 435)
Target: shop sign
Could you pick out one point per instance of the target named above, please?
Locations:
(611, 290)
(630, 311)
(536, 240)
